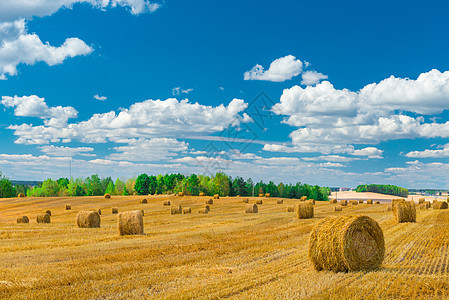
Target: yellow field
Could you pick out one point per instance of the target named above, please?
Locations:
(223, 254)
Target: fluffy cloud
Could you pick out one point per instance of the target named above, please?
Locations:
(150, 118)
(436, 153)
(177, 91)
(312, 77)
(281, 69)
(100, 98)
(62, 151)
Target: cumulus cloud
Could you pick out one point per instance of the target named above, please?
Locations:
(150, 118)
(312, 77)
(100, 98)
(281, 69)
(428, 153)
(62, 151)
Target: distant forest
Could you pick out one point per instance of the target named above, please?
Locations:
(383, 189)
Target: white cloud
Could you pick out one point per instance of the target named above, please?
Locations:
(19, 47)
(150, 118)
(281, 69)
(66, 151)
(177, 91)
(370, 152)
(331, 158)
(100, 98)
(312, 77)
(436, 153)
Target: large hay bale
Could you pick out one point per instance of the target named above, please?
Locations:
(290, 208)
(21, 195)
(344, 202)
(48, 212)
(347, 243)
(427, 203)
(23, 219)
(260, 201)
(210, 201)
(280, 201)
(251, 209)
(421, 200)
(304, 210)
(203, 211)
(202, 194)
(114, 210)
(303, 198)
(338, 208)
(361, 201)
(107, 196)
(88, 219)
(216, 196)
(43, 218)
(267, 195)
(354, 202)
(144, 201)
(440, 205)
(394, 202)
(68, 207)
(130, 222)
(369, 201)
(181, 194)
(246, 200)
(187, 210)
(207, 207)
(176, 210)
(404, 211)
(167, 203)
(333, 201)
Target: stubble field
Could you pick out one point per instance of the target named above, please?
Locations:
(223, 254)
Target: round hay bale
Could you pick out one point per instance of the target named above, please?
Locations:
(427, 204)
(246, 200)
(304, 210)
(130, 222)
(377, 202)
(440, 205)
(303, 198)
(176, 210)
(202, 194)
(404, 211)
(187, 210)
(21, 195)
(344, 202)
(216, 196)
(107, 196)
(361, 201)
(347, 243)
(68, 207)
(421, 200)
(423, 206)
(238, 196)
(354, 202)
(99, 211)
(23, 219)
(144, 201)
(267, 195)
(261, 195)
(280, 201)
(210, 201)
(290, 208)
(333, 201)
(43, 218)
(259, 201)
(114, 210)
(167, 203)
(338, 208)
(369, 201)
(310, 201)
(48, 212)
(207, 207)
(88, 219)
(394, 202)
(181, 194)
(203, 211)
(251, 209)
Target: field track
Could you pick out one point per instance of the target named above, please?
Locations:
(223, 254)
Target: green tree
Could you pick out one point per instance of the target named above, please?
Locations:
(6, 188)
(142, 185)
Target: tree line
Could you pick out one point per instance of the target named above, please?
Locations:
(144, 184)
(383, 189)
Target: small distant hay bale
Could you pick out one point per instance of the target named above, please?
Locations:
(238, 196)
(181, 194)
(187, 210)
(144, 201)
(361, 201)
(344, 202)
(404, 211)
(260, 201)
(310, 201)
(369, 201)
(207, 207)
(216, 196)
(167, 203)
(202, 194)
(423, 206)
(88, 219)
(333, 201)
(107, 196)
(68, 207)
(99, 211)
(338, 208)
(130, 222)
(21, 195)
(267, 195)
(347, 243)
(114, 210)
(261, 195)
(210, 201)
(251, 208)
(303, 198)
(377, 202)
(43, 218)
(203, 211)
(23, 219)
(246, 200)
(304, 210)
(440, 205)
(280, 201)
(176, 210)
(48, 212)
(421, 200)
(354, 202)
(290, 208)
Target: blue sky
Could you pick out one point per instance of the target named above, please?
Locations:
(327, 93)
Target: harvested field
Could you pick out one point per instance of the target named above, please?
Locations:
(243, 256)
